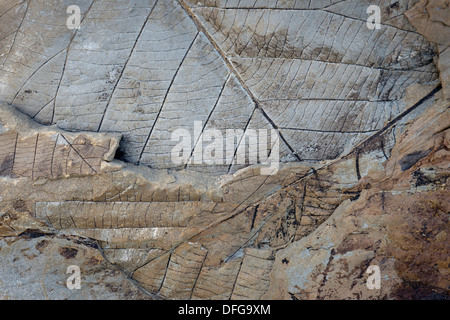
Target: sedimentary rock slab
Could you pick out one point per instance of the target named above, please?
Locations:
(359, 108)
(146, 69)
(49, 153)
(35, 268)
(143, 87)
(431, 19)
(159, 225)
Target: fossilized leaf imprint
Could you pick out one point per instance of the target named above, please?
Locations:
(145, 68)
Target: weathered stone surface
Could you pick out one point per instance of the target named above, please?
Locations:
(399, 223)
(444, 69)
(159, 225)
(361, 121)
(431, 19)
(147, 68)
(35, 268)
(315, 83)
(31, 151)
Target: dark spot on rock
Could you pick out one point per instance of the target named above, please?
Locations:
(411, 159)
(103, 97)
(140, 110)
(120, 153)
(34, 233)
(395, 5)
(20, 206)
(420, 178)
(111, 288)
(86, 242)
(94, 261)
(68, 253)
(285, 261)
(41, 245)
(28, 91)
(412, 290)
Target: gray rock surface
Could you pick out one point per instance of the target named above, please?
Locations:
(146, 68)
(35, 268)
(87, 176)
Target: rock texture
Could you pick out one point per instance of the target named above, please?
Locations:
(34, 267)
(49, 153)
(87, 178)
(399, 223)
(312, 71)
(431, 19)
